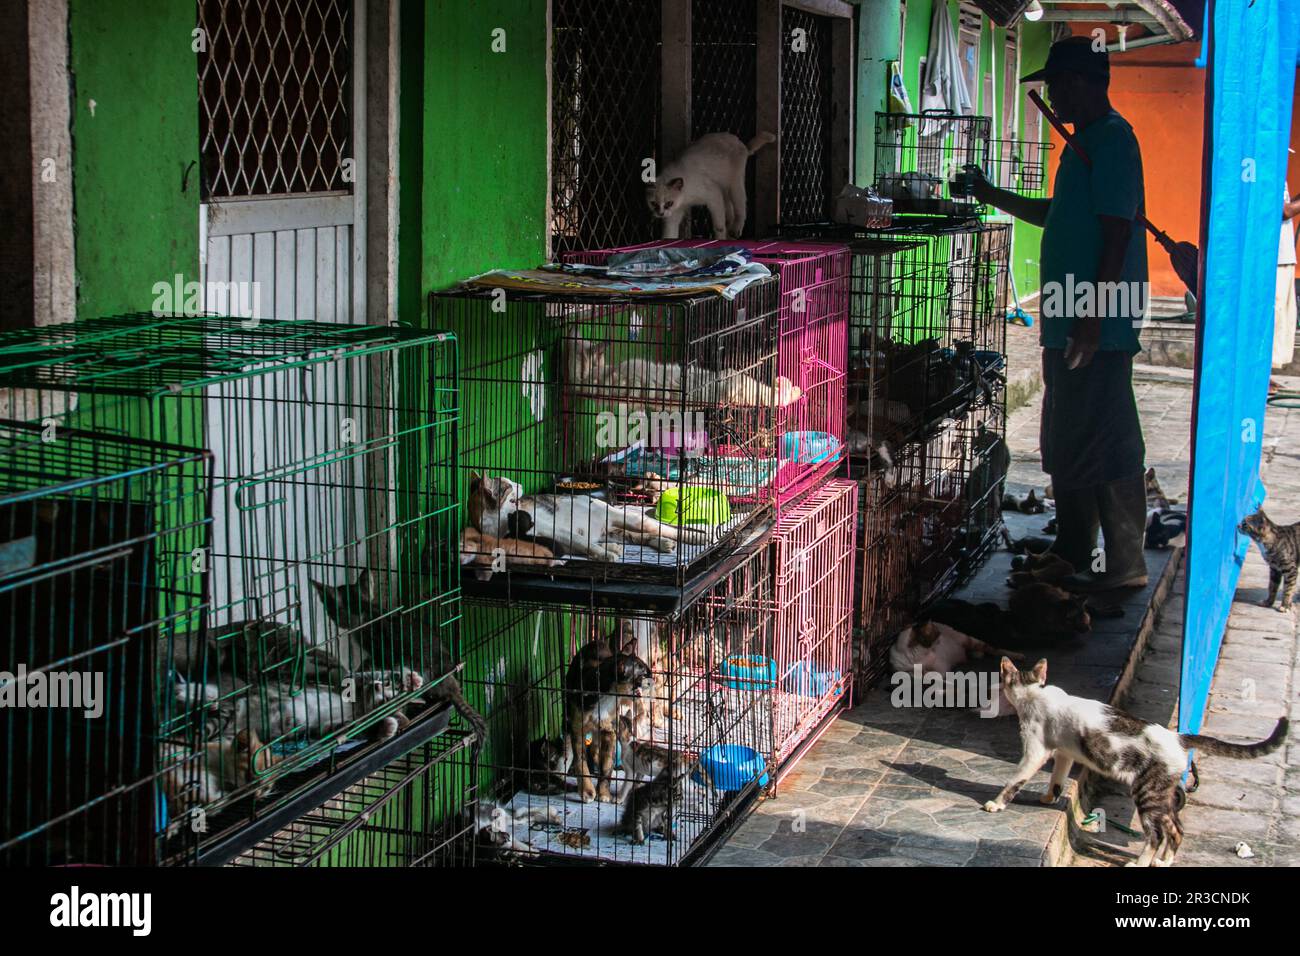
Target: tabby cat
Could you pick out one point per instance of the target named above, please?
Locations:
(1280, 546)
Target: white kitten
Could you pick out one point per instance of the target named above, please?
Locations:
(710, 172)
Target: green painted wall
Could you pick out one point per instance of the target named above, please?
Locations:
(134, 224)
(1035, 38)
(484, 133)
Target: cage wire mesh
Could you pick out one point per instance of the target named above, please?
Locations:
(614, 438)
(1019, 165)
(812, 329)
(724, 78)
(605, 92)
(806, 115)
(275, 96)
(919, 158)
(670, 713)
(813, 603)
(96, 531)
(419, 810)
(927, 412)
(321, 613)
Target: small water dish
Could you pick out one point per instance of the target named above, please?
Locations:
(806, 681)
(749, 672)
(693, 506)
(730, 767)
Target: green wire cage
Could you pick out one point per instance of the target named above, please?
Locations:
(297, 611)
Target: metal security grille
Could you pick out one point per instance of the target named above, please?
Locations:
(604, 120)
(275, 96)
(724, 44)
(805, 116)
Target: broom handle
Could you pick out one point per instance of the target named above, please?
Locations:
(1161, 236)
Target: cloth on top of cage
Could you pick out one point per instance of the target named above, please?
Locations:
(945, 84)
(665, 262)
(594, 280)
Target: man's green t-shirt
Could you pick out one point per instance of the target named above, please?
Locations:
(1071, 246)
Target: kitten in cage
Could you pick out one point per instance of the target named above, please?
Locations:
(319, 710)
(580, 525)
(711, 173)
(649, 805)
(657, 386)
(601, 686)
(199, 777)
(480, 552)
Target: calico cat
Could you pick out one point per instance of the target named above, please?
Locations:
(580, 525)
(938, 648)
(1149, 758)
(710, 172)
(385, 635)
(668, 386)
(600, 686)
(200, 777)
(1280, 546)
(649, 805)
(480, 551)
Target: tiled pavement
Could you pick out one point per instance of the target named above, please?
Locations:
(897, 787)
(1257, 680)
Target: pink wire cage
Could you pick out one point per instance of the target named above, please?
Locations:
(813, 351)
(813, 603)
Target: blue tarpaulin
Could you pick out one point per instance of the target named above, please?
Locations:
(1252, 70)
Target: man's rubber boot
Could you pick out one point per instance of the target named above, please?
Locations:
(1122, 506)
(1077, 521)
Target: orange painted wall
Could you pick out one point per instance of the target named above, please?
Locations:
(1162, 95)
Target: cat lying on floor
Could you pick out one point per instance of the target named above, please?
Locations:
(710, 172)
(1147, 757)
(655, 386)
(1037, 614)
(485, 553)
(580, 525)
(202, 776)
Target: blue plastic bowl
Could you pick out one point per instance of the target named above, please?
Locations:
(730, 767)
(807, 681)
(809, 448)
(749, 672)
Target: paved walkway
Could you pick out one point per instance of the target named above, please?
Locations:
(888, 786)
(1257, 680)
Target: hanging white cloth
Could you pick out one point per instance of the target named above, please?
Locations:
(945, 84)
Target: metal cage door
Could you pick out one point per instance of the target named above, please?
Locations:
(282, 236)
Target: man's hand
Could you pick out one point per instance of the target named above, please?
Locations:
(981, 188)
(1082, 346)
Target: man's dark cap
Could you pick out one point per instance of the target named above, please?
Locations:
(1073, 55)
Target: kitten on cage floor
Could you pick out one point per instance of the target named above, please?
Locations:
(710, 172)
(198, 777)
(661, 386)
(1147, 757)
(580, 525)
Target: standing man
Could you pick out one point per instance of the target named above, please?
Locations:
(1094, 294)
(1284, 308)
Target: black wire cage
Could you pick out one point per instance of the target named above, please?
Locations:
(309, 612)
(614, 438)
(920, 158)
(630, 726)
(420, 810)
(1019, 165)
(96, 531)
(605, 115)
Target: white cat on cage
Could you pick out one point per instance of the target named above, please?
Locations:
(710, 172)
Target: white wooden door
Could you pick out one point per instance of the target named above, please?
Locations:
(284, 220)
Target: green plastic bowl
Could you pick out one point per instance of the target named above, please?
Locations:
(693, 506)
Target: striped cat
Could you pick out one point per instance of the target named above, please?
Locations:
(1280, 546)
